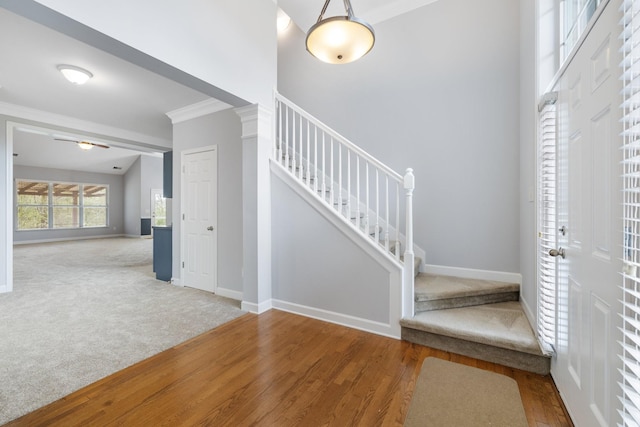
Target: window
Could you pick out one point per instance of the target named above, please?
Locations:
(66, 205)
(55, 205)
(33, 205)
(547, 222)
(95, 212)
(576, 15)
(629, 392)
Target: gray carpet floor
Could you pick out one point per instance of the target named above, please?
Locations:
(82, 310)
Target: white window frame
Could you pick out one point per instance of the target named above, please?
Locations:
(50, 205)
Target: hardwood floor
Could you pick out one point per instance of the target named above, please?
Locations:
(276, 369)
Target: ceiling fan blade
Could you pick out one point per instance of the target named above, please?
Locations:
(95, 144)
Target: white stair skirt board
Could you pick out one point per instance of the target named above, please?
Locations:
(388, 330)
(529, 314)
(470, 273)
(252, 307)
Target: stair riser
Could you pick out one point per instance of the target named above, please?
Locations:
(465, 301)
(511, 358)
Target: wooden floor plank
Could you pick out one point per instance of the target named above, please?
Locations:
(276, 369)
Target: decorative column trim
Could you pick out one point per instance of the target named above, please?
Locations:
(257, 145)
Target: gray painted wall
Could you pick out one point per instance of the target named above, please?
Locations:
(439, 93)
(316, 265)
(224, 130)
(116, 203)
(132, 201)
(144, 175)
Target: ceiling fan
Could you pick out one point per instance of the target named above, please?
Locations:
(85, 145)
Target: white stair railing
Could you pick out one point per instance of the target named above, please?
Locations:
(352, 182)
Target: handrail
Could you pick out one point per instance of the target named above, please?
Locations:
(336, 135)
(357, 186)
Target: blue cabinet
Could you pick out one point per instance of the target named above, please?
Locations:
(162, 252)
(145, 226)
(167, 174)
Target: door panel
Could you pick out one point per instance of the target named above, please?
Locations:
(589, 200)
(601, 188)
(200, 219)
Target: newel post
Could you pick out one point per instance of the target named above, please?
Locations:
(409, 275)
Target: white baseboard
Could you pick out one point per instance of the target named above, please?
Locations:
(252, 307)
(529, 314)
(469, 273)
(378, 328)
(4, 289)
(176, 282)
(66, 239)
(228, 293)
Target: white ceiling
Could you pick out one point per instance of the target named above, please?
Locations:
(305, 12)
(120, 95)
(38, 147)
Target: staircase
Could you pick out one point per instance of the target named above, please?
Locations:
(362, 193)
(480, 319)
(476, 318)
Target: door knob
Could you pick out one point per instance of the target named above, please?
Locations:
(210, 228)
(557, 252)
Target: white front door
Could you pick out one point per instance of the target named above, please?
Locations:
(199, 218)
(585, 367)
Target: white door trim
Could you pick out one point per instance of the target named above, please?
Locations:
(183, 199)
(7, 281)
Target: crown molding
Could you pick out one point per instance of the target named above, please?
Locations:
(199, 109)
(392, 9)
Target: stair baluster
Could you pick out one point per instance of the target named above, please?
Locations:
(331, 161)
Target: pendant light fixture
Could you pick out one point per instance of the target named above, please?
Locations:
(340, 39)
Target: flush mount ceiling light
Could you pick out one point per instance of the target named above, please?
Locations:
(340, 39)
(75, 75)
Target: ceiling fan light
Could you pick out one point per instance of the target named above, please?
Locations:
(85, 145)
(75, 75)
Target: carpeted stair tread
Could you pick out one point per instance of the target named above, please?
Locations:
(433, 287)
(435, 292)
(502, 325)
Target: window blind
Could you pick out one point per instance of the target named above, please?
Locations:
(630, 351)
(547, 222)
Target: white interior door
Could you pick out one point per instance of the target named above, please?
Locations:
(199, 215)
(585, 368)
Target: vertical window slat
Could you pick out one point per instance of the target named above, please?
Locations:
(630, 383)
